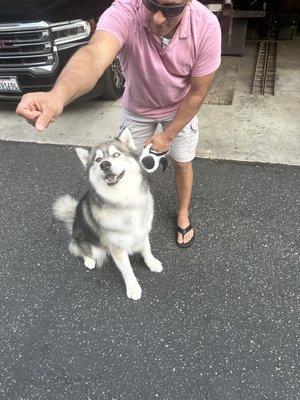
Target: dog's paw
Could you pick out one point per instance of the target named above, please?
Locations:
(154, 265)
(90, 263)
(133, 290)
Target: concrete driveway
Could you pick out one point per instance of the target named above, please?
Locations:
(254, 128)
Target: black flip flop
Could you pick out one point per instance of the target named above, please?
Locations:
(183, 231)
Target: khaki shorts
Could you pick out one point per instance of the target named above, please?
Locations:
(183, 147)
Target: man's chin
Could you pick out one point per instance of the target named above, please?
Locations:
(160, 31)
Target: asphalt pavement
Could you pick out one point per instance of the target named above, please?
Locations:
(219, 323)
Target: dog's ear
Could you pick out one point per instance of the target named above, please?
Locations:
(126, 138)
(83, 155)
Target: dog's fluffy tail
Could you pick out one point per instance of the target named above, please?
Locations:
(64, 209)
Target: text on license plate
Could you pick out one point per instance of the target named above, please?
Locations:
(9, 85)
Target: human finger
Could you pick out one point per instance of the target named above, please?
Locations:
(25, 111)
(44, 120)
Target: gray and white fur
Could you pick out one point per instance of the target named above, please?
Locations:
(115, 215)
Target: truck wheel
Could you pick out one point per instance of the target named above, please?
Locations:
(112, 82)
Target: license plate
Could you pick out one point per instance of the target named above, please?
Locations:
(9, 84)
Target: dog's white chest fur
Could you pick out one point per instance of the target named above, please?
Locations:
(125, 227)
(120, 220)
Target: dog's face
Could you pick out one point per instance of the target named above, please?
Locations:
(110, 162)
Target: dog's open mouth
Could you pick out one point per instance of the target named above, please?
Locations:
(112, 179)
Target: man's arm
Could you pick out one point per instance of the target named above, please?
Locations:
(187, 110)
(87, 65)
(78, 77)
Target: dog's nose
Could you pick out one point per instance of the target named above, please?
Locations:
(105, 165)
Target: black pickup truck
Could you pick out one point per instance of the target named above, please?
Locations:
(37, 38)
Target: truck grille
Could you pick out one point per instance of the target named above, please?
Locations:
(25, 45)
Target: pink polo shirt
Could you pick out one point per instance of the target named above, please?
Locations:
(157, 77)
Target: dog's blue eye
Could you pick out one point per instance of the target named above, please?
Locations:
(116, 154)
(98, 159)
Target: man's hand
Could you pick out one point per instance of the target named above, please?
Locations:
(39, 109)
(78, 77)
(160, 142)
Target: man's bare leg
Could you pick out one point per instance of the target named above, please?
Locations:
(184, 183)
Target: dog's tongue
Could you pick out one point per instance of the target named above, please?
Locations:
(110, 177)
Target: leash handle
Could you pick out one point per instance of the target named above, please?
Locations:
(156, 153)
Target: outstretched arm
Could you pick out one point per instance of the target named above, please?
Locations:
(78, 77)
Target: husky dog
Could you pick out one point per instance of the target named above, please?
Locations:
(115, 215)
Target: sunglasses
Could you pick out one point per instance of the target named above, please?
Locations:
(168, 11)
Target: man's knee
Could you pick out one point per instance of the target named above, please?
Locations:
(181, 166)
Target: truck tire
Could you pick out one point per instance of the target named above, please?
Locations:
(112, 82)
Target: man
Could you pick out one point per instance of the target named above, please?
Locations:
(169, 51)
